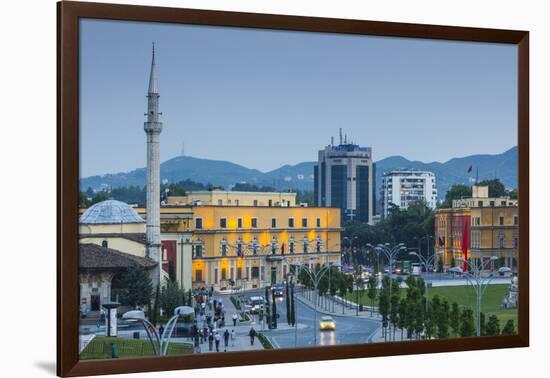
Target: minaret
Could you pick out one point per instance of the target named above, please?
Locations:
(153, 128)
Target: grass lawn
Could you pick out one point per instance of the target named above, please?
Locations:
(100, 348)
(464, 296)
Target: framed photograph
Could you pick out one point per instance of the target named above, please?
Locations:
(239, 189)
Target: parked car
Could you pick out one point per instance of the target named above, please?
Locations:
(327, 323)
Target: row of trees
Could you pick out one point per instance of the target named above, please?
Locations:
(439, 319)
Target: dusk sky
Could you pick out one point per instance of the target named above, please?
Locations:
(264, 98)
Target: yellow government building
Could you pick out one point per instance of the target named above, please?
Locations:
(245, 239)
(231, 239)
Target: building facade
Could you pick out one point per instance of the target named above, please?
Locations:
(479, 227)
(246, 246)
(403, 187)
(229, 198)
(344, 177)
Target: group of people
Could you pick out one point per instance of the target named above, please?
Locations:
(210, 313)
(209, 319)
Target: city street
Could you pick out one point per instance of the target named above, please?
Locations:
(349, 329)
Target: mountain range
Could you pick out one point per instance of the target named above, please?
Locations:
(300, 176)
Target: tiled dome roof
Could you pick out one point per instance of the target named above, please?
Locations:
(110, 212)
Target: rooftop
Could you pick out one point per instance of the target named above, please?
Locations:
(110, 212)
(93, 256)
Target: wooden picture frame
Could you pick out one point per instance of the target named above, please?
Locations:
(69, 14)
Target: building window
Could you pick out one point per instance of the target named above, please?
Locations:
(270, 203)
(304, 222)
(290, 222)
(492, 203)
(479, 203)
(502, 203)
(239, 273)
(262, 273)
(273, 222)
(236, 202)
(198, 251)
(255, 202)
(255, 272)
(105, 244)
(318, 245)
(501, 221)
(224, 274)
(318, 222)
(501, 240)
(516, 220)
(223, 222)
(198, 223)
(254, 223)
(240, 223)
(515, 242)
(291, 247)
(224, 247)
(220, 202)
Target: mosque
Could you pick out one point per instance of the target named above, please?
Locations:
(112, 236)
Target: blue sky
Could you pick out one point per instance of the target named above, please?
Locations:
(265, 98)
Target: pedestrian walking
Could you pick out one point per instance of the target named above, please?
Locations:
(226, 337)
(233, 337)
(252, 334)
(234, 319)
(210, 342)
(217, 339)
(205, 332)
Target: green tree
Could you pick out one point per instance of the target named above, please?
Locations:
(402, 315)
(372, 291)
(454, 319)
(171, 296)
(509, 328)
(457, 191)
(467, 327)
(443, 320)
(440, 266)
(493, 326)
(154, 316)
(482, 324)
(137, 287)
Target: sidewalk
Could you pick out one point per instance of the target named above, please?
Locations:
(325, 307)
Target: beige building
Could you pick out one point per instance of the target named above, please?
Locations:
(479, 227)
(229, 198)
(111, 238)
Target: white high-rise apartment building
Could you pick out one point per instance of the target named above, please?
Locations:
(403, 187)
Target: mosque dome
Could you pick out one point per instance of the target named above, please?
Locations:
(110, 212)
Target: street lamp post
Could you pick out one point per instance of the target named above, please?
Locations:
(391, 253)
(478, 282)
(161, 346)
(315, 277)
(428, 265)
